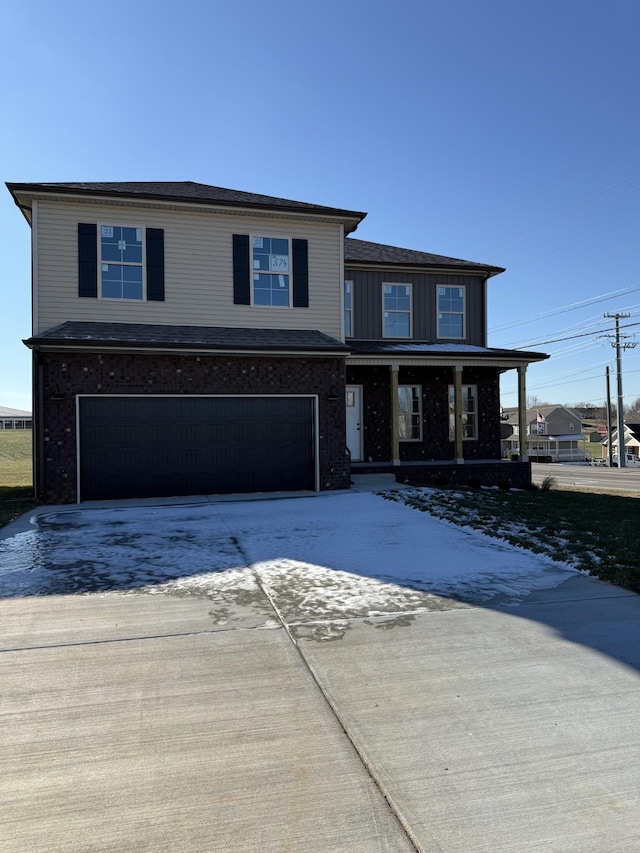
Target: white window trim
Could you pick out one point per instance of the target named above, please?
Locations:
(386, 311)
(419, 413)
(475, 414)
(289, 274)
(348, 311)
(462, 287)
(119, 223)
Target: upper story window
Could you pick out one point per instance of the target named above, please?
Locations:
(451, 320)
(396, 310)
(469, 412)
(271, 266)
(121, 262)
(348, 309)
(270, 271)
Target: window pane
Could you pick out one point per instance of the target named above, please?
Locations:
(347, 324)
(279, 263)
(131, 290)
(469, 416)
(409, 414)
(132, 274)
(449, 325)
(132, 253)
(405, 399)
(270, 289)
(111, 289)
(402, 325)
(279, 246)
(110, 252)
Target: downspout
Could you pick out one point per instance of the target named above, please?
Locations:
(395, 412)
(38, 457)
(457, 413)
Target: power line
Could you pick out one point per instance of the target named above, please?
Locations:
(566, 210)
(572, 337)
(578, 240)
(572, 306)
(566, 222)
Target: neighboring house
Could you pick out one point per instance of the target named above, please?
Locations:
(189, 339)
(14, 418)
(631, 440)
(554, 431)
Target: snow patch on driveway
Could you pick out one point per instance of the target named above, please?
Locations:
(319, 558)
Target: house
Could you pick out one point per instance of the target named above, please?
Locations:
(554, 431)
(631, 440)
(190, 339)
(14, 418)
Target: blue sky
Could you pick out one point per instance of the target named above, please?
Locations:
(500, 132)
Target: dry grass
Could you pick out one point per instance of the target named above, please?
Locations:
(16, 457)
(594, 532)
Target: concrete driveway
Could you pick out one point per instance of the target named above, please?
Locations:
(339, 673)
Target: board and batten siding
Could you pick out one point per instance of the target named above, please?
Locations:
(198, 255)
(367, 303)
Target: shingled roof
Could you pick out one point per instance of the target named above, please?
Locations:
(450, 350)
(361, 251)
(184, 191)
(150, 336)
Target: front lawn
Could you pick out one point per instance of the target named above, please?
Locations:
(16, 487)
(16, 457)
(597, 533)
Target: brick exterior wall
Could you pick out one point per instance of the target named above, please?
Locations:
(514, 475)
(435, 381)
(64, 375)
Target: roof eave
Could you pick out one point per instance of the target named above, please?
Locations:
(351, 218)
(485, 271)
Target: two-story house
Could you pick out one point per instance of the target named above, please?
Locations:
(189, 339)
(553, 431)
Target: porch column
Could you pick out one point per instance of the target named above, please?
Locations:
(457, 412)
(395, 417)
(522, 411)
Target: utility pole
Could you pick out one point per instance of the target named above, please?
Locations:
(626, 344)
(609, 430)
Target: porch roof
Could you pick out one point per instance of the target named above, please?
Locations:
(427, 354)
(570, 437)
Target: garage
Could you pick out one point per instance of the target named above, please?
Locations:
(159, 446)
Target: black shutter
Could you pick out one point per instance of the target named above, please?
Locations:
(300, 250)
(241, 279)
(155, 264)
(87, 259)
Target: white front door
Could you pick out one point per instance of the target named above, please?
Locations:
(353, 404)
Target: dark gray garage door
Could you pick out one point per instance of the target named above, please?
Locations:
(160, 446)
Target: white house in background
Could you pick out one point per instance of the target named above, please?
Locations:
(554, 431)
(631, 440)
(15, 418)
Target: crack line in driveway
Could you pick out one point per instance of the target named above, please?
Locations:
(138, 639)
(330, 704)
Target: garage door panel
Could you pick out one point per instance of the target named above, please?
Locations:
(163, 446)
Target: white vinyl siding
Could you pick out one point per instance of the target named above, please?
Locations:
(198, 254)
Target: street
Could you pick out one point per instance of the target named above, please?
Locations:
(589, 477)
